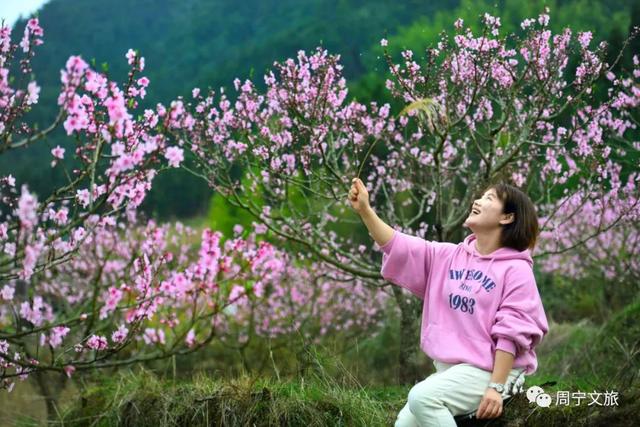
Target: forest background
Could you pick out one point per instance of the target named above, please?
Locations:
(199, 43)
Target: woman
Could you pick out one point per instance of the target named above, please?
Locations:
(482, 314)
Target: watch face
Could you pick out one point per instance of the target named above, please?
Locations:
(498, 387)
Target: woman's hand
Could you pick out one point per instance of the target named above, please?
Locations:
(490, 405)
(358, 196)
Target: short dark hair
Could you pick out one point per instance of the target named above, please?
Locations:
(523, 232)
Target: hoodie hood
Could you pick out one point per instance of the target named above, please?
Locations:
(468, 249)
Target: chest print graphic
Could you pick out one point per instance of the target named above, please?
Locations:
(463, 303)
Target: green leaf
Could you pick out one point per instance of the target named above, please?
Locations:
(428, 111)
(503, 139)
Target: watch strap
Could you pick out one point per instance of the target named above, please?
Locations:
(499, 387)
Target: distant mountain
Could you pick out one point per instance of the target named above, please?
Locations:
(197, 43)
(207, 43)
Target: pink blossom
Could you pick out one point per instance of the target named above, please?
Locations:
(259, 227)
(175, 156)
(131, 56)
(57, 334)
(97, 342)
(543, 19)
(95, 82)
(117, 109)
(61, 216)
(24, 43)
(33, 92)
(7, 292)
(31, 254)
(584, 38)
(37, 312)
(153, 336)
(69, 370)
(58, 152)
(236, 293)
(143, 81)
(27, 207)
(527, 23)
(112, 298)
(190, 339)
(5, 39)
(120, 334)
(84, 197)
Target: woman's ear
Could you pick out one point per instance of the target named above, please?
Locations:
(509, 218)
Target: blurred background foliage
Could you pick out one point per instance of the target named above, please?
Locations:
(206, 44)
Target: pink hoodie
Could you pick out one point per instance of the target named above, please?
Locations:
(473, 304)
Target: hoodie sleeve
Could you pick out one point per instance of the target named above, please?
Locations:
(406, 260)
(520, 322)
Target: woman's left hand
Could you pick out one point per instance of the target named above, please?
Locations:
(490, 405)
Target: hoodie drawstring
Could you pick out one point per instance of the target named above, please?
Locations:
(503, 253)
(465, 271)
(486, 275)
(466, 265)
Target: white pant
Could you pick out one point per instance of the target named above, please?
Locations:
(454, 389)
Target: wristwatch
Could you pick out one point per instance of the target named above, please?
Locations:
(497, 387)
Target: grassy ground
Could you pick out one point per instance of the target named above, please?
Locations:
(143, 400)
(573, 357)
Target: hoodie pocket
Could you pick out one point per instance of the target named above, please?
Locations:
(452, 346)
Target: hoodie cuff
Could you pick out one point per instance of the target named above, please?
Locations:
(505, 344)
(386, 248)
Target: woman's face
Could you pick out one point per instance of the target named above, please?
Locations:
(486, 213)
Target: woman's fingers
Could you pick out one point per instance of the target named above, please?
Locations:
(357, 188)
(358, 185)
(480, 412)
(489, 410)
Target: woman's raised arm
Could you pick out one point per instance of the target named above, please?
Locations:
(359, 198)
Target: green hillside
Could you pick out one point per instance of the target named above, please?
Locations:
(197, 43)
(200, 43)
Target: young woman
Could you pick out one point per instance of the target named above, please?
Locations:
(482, 314)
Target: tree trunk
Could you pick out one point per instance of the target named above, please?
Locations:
(45, 392)
(409, 337)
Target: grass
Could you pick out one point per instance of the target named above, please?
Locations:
(142, 399)
(318, 399)
(573, 357)
(607, 355)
